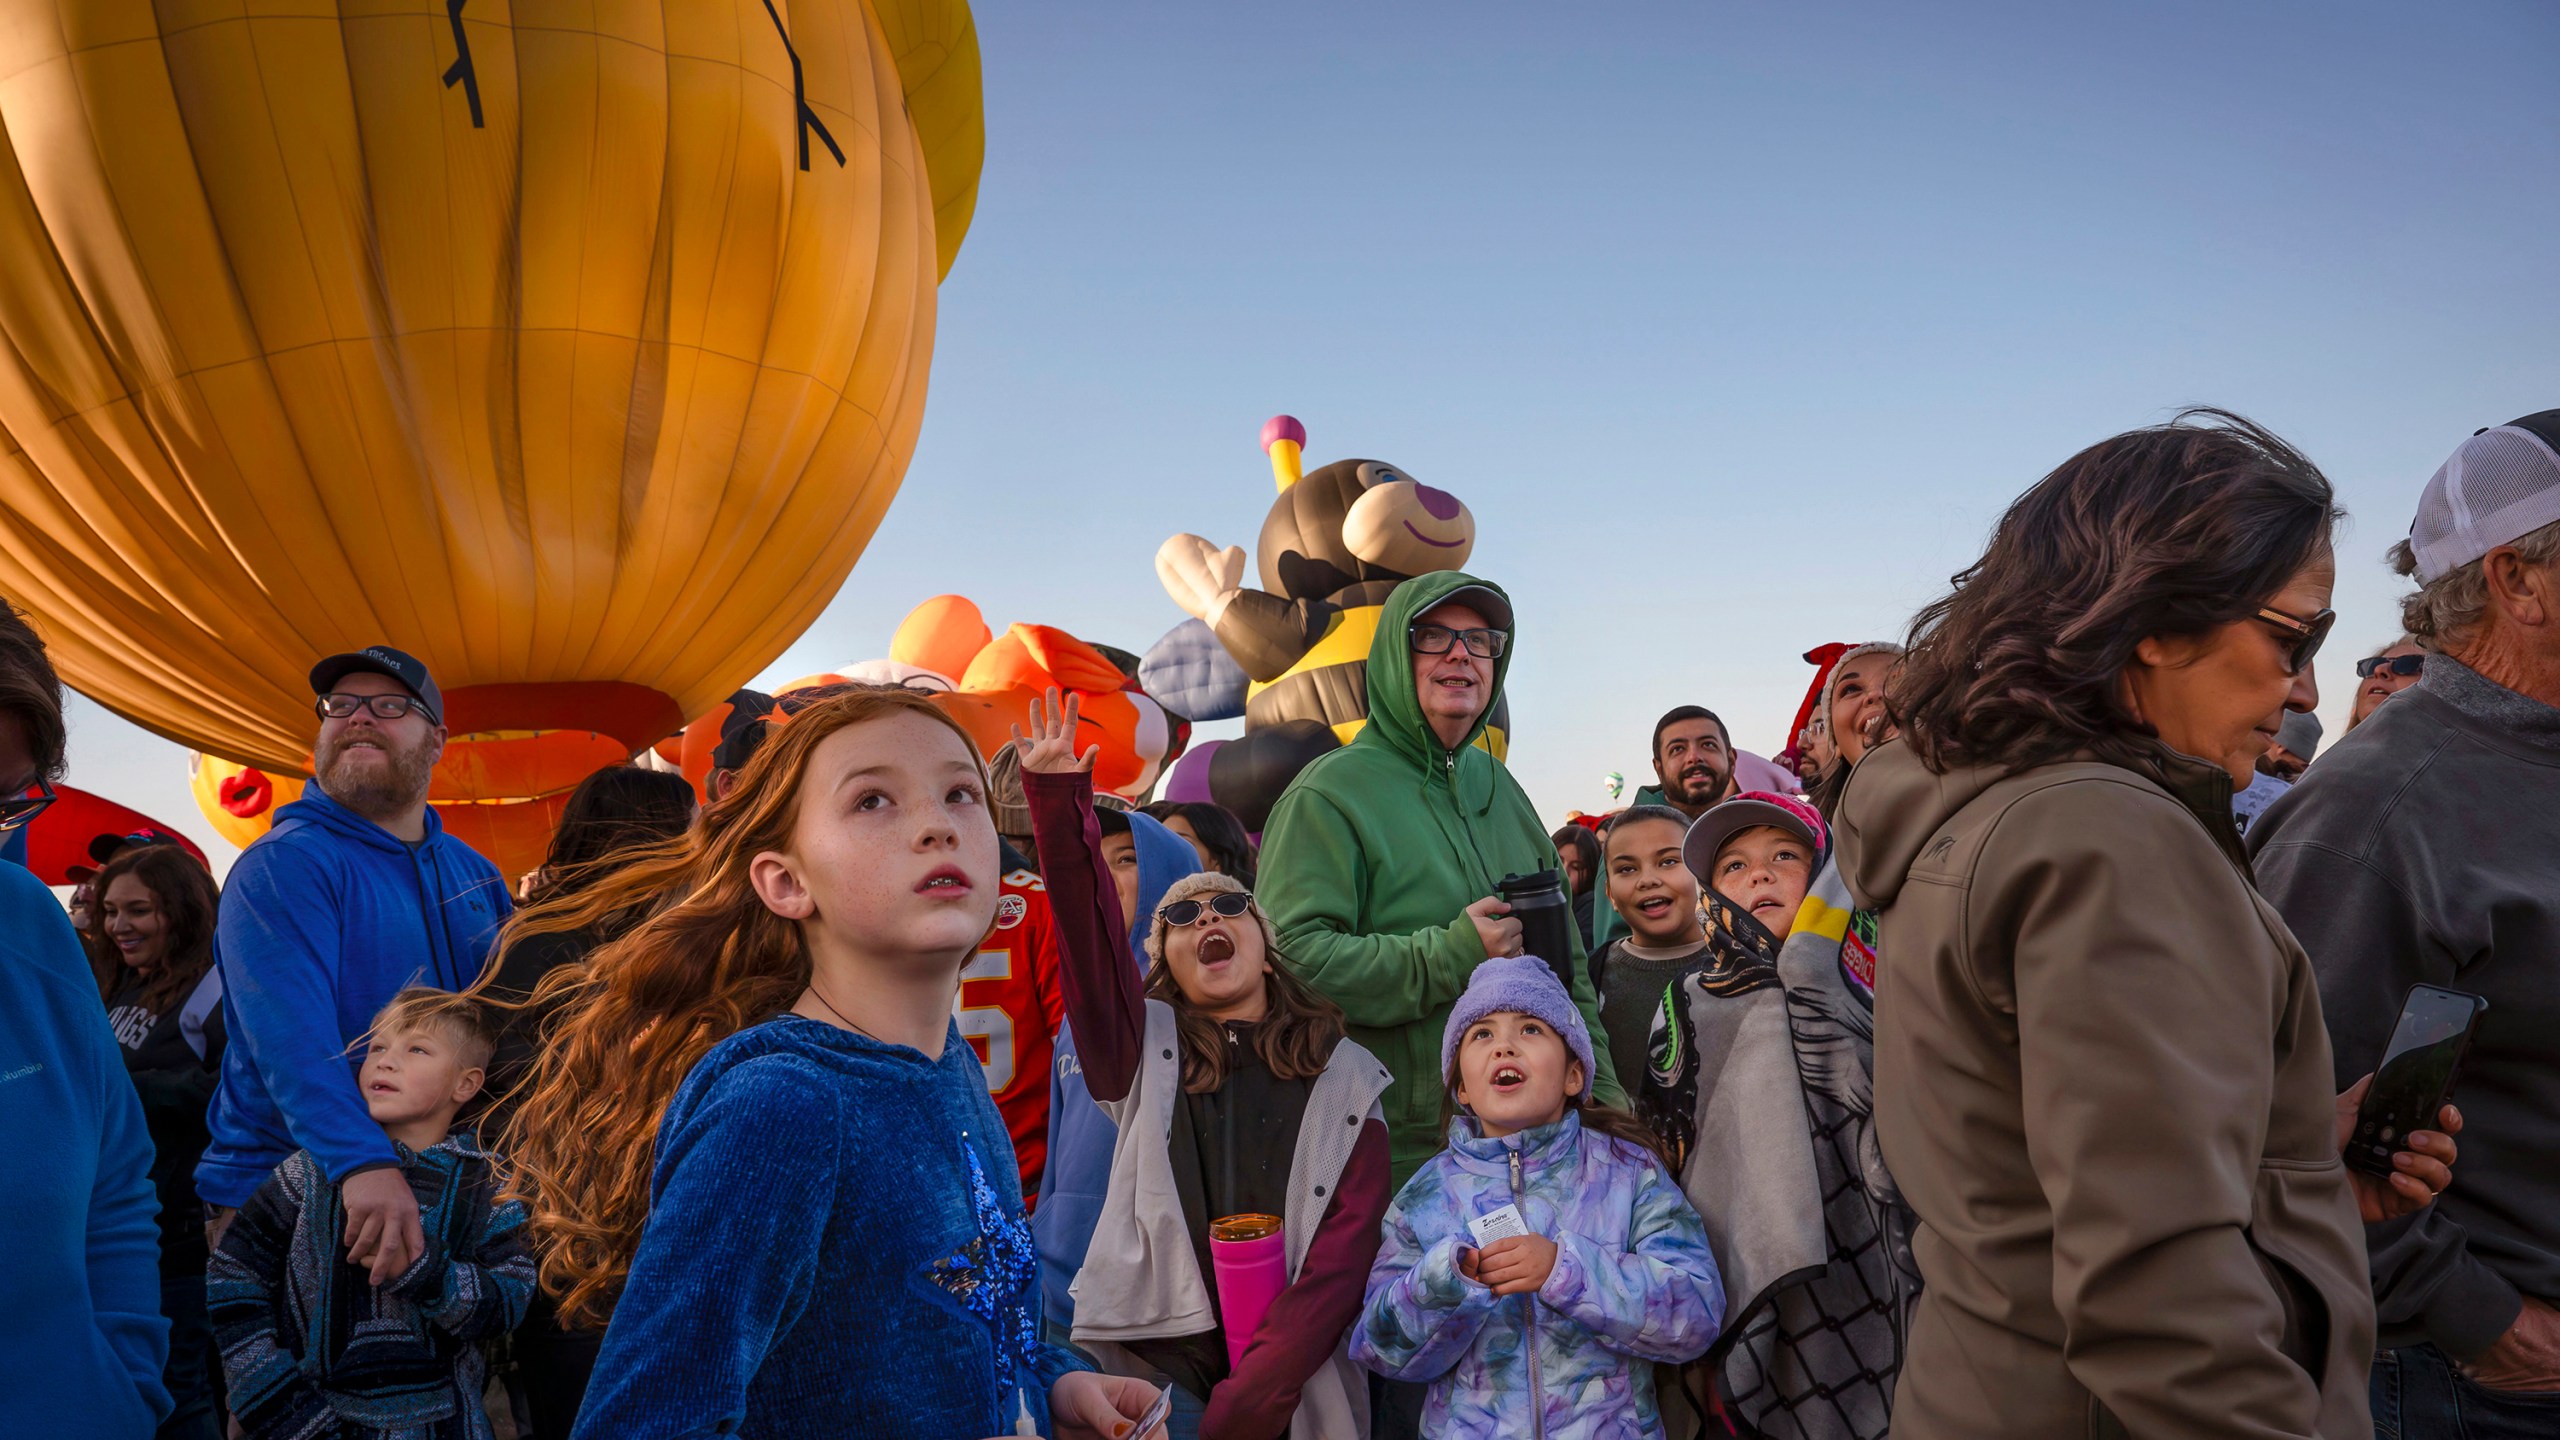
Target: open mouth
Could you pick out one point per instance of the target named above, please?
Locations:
(1216, 946)
(382, 1087)
(1767, 902)
(946, 880)
(1655, 908)
(1507, 1077)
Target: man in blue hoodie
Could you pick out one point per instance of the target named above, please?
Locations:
(354, 894)
(81, 1338)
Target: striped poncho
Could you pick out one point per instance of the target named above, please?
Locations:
(312, 1348)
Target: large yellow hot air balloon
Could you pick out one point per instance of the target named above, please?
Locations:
(574, 348)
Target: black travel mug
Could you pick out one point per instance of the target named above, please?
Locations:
(1546, 919)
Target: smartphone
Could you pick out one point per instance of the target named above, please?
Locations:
(1152, 1423)
(2417, 1073)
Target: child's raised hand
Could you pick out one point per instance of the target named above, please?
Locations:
(1050, 748)
(1517, 1265)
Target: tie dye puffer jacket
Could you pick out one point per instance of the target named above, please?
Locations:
(1634, 1283)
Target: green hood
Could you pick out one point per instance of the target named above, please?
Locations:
(1395, 710)
(1370, 860)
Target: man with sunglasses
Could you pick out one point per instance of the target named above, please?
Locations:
(1380, 861)
(2425, 848)
(82, 1341)
(354, 894)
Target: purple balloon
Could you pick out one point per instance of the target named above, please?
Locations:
(1189, 781)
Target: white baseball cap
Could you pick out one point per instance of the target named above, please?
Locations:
(2501, 484)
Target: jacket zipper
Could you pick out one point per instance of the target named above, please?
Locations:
(1529, 1325)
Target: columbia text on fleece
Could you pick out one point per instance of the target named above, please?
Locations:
(323, 920)
(1634, 1284)
(1373, 855)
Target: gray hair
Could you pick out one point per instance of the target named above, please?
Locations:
(2445, 611)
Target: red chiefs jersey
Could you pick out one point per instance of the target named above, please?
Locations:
(1009, 1009)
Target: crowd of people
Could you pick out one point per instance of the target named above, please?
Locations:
(1978, 1064)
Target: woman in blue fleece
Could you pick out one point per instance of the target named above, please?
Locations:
(758, 1143)
(81, 1338)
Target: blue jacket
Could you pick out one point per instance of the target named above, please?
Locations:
(323, 920)
(1081, 1136)
(835, 1248)
(81, 1338)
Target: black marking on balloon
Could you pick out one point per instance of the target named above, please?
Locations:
(799, 96)
(461, 70)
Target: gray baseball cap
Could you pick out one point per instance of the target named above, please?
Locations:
(2500, 485)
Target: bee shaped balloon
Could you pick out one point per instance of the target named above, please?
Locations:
(1335, 544)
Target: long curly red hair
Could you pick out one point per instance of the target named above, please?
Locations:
(708, 961)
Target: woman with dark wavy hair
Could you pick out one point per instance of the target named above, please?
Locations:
(155, 909)
(1214, 831)
(614, 818)
(2101, 1078)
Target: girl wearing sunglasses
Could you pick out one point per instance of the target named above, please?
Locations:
(1236, 1093)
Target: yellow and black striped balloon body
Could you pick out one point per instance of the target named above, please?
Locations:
(1302, 556)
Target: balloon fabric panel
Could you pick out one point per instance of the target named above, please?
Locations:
(295, 356)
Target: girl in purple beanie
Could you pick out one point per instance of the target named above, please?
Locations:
(1535, 1270)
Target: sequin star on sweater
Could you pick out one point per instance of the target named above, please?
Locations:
(835, 1248)
(312, 1348)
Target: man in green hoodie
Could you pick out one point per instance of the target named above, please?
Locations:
(1379, 862)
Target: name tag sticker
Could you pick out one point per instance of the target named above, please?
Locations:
(1495, 1225)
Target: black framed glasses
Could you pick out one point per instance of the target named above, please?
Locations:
(2307, 634)
(2373, 665)
(384, 707)
(1230, 903)
(1436, 640)
(17, 810)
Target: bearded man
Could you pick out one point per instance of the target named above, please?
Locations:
(1692, 762)
(354, 894)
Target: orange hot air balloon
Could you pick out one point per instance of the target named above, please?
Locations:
(988, 681)
(575, 350)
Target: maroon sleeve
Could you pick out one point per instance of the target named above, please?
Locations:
(1104, 1003)
(1307, 1321)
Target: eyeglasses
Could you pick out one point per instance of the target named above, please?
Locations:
(1231, 904)
(2307, 635)
(17, 810)
(2373, 665)
(384, 707)
(1436, 640)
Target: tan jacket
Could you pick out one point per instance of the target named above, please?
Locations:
(2102, 1083)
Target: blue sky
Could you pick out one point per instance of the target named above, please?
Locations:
(1736, 326)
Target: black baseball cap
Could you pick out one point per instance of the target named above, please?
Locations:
(400, 665)
(742, 729)
(103, 848)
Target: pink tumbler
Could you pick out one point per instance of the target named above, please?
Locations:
(1251, 1257)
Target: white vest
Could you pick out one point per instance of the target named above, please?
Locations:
(1141, 1280)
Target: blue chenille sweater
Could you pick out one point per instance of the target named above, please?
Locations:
(81, 1338)
(835, 1247)
(324, 920)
